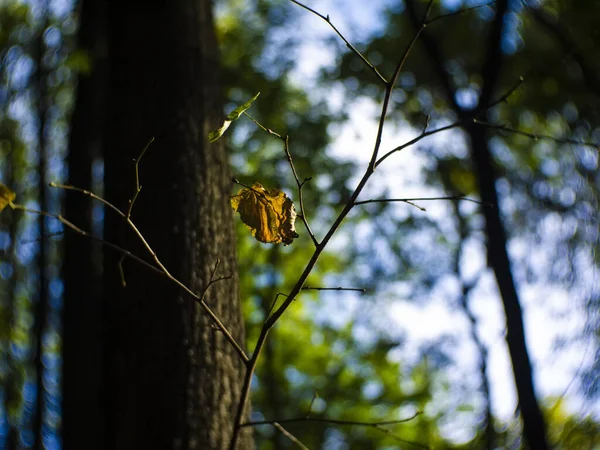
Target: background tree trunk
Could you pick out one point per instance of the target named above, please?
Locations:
(82, 312)
(171, 381)
(534, 427)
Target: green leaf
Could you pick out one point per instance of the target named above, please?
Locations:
(233, 115)
(237, 112)
(216, 134)
(6, 196)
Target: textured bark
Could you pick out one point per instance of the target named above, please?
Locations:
(171, 380)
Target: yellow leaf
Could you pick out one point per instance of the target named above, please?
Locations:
(6, 196)
(268, 213)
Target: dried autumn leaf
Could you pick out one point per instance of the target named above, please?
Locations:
(268, 213)
(6, 196)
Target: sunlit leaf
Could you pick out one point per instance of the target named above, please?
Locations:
(268, 213)
(216, 134)
(6, 196)
(233, 115)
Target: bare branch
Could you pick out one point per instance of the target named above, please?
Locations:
(417, 139)
(290, 436)
(265, 129)
(504, 97)
(138, 187)
(300, 184)
(459, 12)
(306, 288)
(379, 426)
(271, 320)
(390, 86)
(161, 268)
(536, 137)
(348, 44)
(78, 230)
(67, 187)
(333, 421)
(420, 199)
(312, 402)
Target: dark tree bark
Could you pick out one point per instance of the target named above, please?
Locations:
(171, 381)
(534, 426)
(82, 311)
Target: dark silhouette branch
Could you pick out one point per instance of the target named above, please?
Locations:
(161, 268)
(379, 426)
(272, 319)
(348, 44)
(535, 136)
(306, 288)
(419, 199)
(290, 436)
(300, 184)
(460, 12)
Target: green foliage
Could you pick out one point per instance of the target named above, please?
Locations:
(309, 354)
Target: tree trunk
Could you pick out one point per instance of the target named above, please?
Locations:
(82, 311)
(534, 427)
(171, 380)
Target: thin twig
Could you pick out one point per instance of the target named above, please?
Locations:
(333, 421)
(161, 268)
(417, 139)
(290, 436)
(268, 130)
(306, 288)
(44, 236)
(459, 12)
(536, 137)
(273, 304)
(199, 299)
(78, 230)
(286, 147)
(379, 426)
(138, 187)
(68, 187)
(400, 439)
(271, 320)
(420, 199)
(300, 184)
(390, 87)
(312, 402)
(122, 271)
(348, 44)
(504, 98)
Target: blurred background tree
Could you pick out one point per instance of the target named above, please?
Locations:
(355, 351)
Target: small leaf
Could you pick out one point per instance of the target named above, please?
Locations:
(233, 115)
(268, 213)
(237, 112)
(216, 134)
(6, 196)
